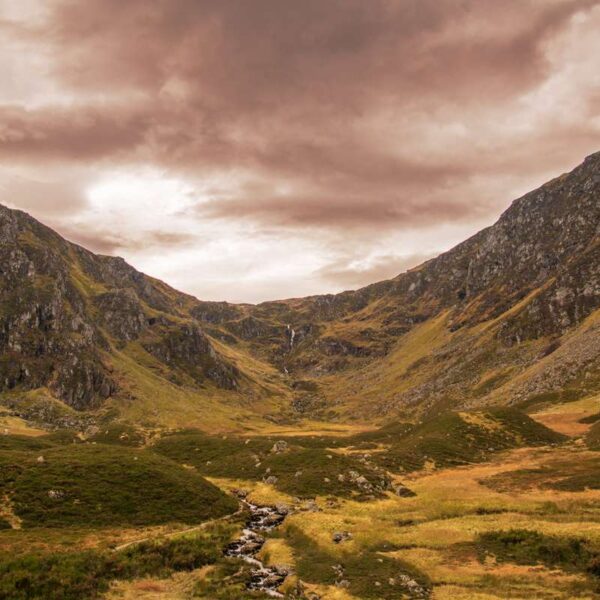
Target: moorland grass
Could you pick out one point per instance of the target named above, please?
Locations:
(592, 438)
(88, 573)
(591, 419)
(368, 574)
(118, 434)
(562, 475)
(300, 471)
(453, 439)
(100, 485)
(526, 547)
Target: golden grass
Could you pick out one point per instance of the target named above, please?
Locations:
(10, 425)
(452, 508)
(276, 551)
(158, 402)
(565, 418)
(258, 492)
(177, 587)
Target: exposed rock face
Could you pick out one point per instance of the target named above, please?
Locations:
(63, 308)
(121, 314)
(188, 348)
(504, 315)
(46, 336)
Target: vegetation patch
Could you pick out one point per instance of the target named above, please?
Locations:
(525, 547)
(593, 437)
(451, 439)
(564, 475)
(97, 485)
(88, 573)
(300, 471)
(590, 419)
(119, 434)
(366, 574)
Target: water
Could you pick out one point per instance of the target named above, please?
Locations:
(247, 546)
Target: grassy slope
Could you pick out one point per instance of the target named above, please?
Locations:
(100, 485)
(299, 471)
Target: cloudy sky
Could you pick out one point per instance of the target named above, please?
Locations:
(259, 149)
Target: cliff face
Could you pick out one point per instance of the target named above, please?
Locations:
(507, 296)
(480, 323)
(63, 310)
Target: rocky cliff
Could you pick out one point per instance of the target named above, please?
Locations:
(505, 317)
(63, 310)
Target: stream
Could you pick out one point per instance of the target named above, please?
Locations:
(262, 519)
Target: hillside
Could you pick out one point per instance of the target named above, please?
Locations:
(431, 436)
(507, 317)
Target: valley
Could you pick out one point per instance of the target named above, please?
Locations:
(433, 436)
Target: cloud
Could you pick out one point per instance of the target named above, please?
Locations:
(315, 120)
(352, 274)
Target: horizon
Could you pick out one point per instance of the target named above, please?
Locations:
(241, 158)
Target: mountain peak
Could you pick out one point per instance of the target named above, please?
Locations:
(92, 328)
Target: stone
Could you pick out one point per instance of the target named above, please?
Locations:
(402, 491)
(341, 536)
(282, 509)
(279, 447)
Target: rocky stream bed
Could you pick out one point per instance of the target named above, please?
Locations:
(262, 519)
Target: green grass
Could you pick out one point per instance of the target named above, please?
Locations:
(99, 485)
(452, 439)
(525, 547)
(538, 401)
(24, 443)
(592, 438)
(88, 573)
(119, 434)
(299, 471)
(304, 473)
(216, 455)
(362, 570)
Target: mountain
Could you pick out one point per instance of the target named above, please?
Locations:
(508, 317)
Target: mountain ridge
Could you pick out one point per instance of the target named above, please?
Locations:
(497, 302)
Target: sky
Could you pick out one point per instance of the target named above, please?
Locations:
(249, 150)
